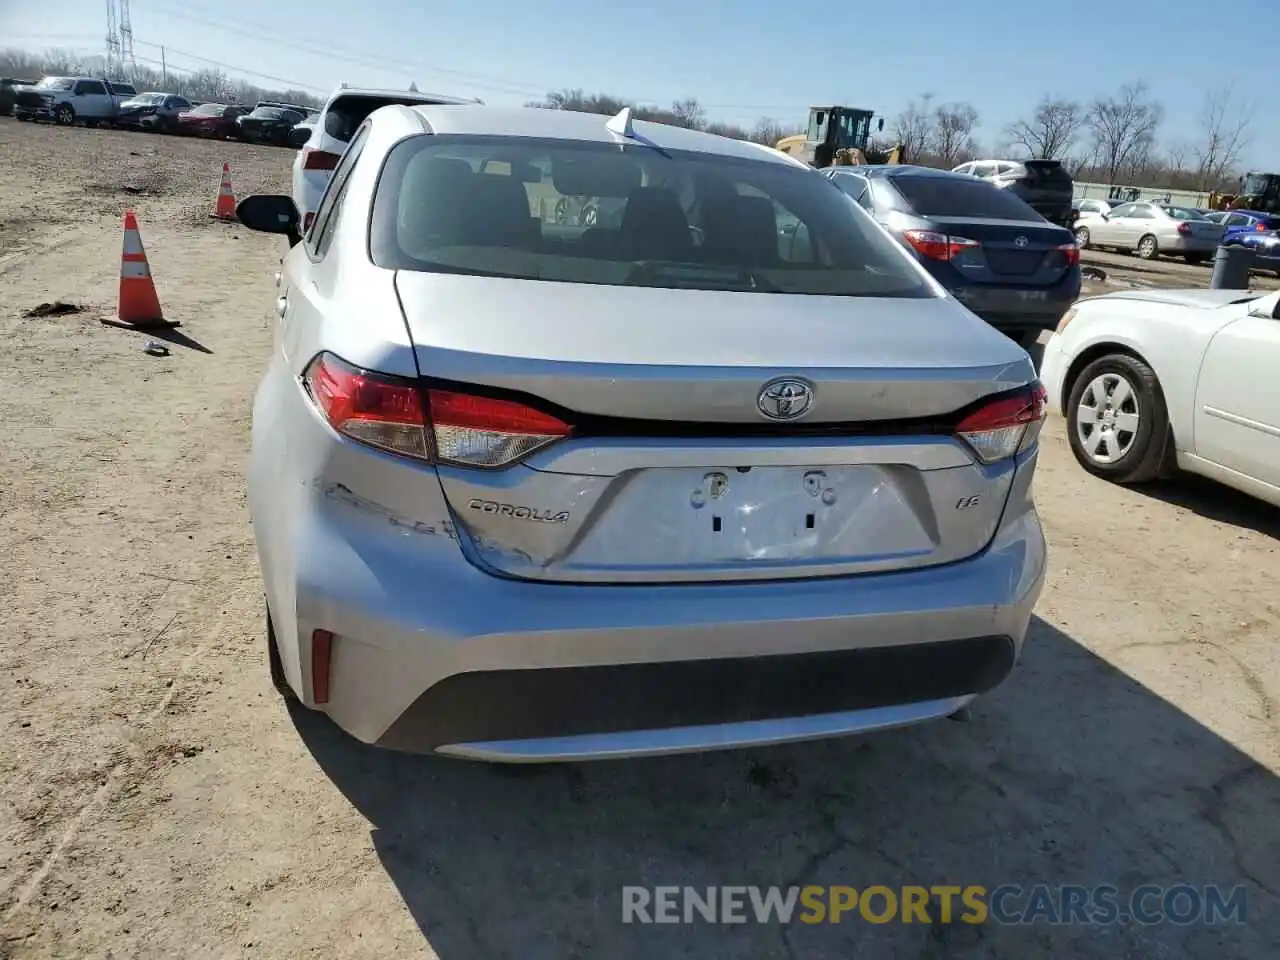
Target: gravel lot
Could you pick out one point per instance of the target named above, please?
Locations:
(157, 800)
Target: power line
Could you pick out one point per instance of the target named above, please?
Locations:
(296, 84)
(330, 51)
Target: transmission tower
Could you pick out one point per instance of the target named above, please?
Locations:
(126, 39)
(115, 60)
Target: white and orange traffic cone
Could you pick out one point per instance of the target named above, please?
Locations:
(225, 208)
(139, 306)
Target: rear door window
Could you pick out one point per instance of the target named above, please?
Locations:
(959, 197)
(91, 88)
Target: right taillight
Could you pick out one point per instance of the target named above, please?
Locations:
(433, 425)
(318, 159)
(938, 246)
(1005, 427)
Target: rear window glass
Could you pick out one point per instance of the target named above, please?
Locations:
(124, 89)
(1183, 213)
(345, 114)
(579, 212)
(1047, 172)
(209, 110)
(961, 197)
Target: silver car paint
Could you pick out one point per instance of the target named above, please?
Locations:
(383, 552)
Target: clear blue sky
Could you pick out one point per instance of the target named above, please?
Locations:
(743, 59)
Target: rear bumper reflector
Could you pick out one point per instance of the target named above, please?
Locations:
(321, 656)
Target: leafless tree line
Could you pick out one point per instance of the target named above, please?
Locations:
(199, 85)
(1113, 139)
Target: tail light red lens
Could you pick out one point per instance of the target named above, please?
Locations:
(1005, 427)
(481, 432)
(1071, 251)
(1261, 227)
(938, 246)
(318, 159)
(1184, 228)
(398, 415)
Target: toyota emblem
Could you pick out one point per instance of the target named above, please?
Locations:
(785, 399)
(1020, 241)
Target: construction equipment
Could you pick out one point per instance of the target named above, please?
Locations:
(839, 135)
(1259, 192)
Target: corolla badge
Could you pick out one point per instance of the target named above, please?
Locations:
(786, 398)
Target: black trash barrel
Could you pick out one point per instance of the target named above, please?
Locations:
(1231, 268)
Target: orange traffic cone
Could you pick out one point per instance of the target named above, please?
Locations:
(225, 209)
(139, 306)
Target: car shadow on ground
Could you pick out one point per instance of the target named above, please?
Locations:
(1216, 502)
(1069, 773)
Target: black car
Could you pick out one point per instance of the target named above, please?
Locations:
(1044, 185)
(8, 86)
(994, 253)
(268, 125)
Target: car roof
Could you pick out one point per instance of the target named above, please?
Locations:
(908, 170)
(571, 125)
(381, 92)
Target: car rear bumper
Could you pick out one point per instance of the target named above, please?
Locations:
(1187, 245)
(1020, 313)
(429, 653)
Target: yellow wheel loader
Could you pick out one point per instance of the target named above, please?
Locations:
(839, 136)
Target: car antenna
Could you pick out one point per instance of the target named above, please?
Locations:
(621, 124)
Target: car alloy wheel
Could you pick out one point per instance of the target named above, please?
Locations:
(1108, 417)
(1147, 247)
(65, 115)
(1082, 237)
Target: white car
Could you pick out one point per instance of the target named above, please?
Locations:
(330, 132)
(1150, 380)
(1150, 230)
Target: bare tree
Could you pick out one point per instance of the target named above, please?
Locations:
(769, 131)
(1051, 130)
(1124, 130)
(689, 113)
(914, 127)
(1224, 134)
(953, 132)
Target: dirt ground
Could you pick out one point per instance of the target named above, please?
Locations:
(158, 800)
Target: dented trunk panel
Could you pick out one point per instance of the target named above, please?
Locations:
(748, 510)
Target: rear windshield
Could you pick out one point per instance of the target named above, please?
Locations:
(579, 212)
(126, 89)
(960, 196)
(1047, 173)
(209, 110)
(344, 115)
(147, 97)
(274, 113)
(1183, 213)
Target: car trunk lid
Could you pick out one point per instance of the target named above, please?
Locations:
(672, 472)
(1021, 252)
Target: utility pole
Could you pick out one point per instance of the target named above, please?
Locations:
(164, 70)
(113, 40)
(126, 38)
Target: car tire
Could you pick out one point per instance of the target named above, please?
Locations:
(1148, 247)
(1082, 238)
(65, 115)
(276, 665)
(1113, 392)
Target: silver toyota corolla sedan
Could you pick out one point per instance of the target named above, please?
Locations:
(731, 469)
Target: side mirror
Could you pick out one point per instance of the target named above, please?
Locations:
(299, 136)
(269, 213)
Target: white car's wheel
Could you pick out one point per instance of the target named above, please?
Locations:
(1082, 237)
(1148, 248)
(1117, 420)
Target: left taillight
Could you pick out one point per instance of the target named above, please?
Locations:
(1071, 252)
(938, 246)
(1005, 426)
(313, 159)
(433, 425)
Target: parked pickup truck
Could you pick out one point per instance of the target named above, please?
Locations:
(66, 100)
